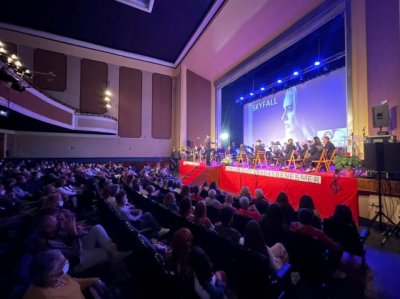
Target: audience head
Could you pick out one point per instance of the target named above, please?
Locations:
(201, 210)
(185, 207)
(195, 190)
(245, 191)
(282, 200)
(185, 191)
(244, 202)
(112, 190)
(213, 185)
(253, 237)
(226, 216)
(306, 216)
(212, 193)
(273, 217)
(259, 194)
(120, 198)
(150, 189)
(169, 199)
(228, 200)
(306, 202)
(48, 268)
(343, 214)
(181, 243)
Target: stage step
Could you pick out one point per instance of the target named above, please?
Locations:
(209, 174)
(189, 177)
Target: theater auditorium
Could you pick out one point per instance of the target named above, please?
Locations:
(199, 149)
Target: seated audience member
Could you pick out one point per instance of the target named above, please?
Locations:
(306, 202)
(186, 209)
(247, 210)
(260, 201)
(213, 185)
(170, 202)
(204, 190)
(288, 212)
(304, 226)
(18, 192)
(245, 191)
(137, 218)
(254, 240)
(272, 225)
(49, 276)
(177, 260)
(224, 226)
(111, 190)
(152, 192)
(200, 215)
(207, 284)
(342, 229)
(229, 202)
(195, 194)
(185, 191)
(211, 199)
(80, 250)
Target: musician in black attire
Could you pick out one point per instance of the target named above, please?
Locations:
(175, 156)
(207, 148)
(304, 149)
(329, 146)
(290, 147)
(315, 152)
(258, 147)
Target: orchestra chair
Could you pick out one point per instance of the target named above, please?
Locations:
(261, 158)
(293, 160)
(329, 160)
(242, 157)
(321, 161)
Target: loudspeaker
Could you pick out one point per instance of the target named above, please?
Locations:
(374, 156)
(392, 157)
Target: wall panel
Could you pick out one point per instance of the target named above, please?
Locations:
(161, 107)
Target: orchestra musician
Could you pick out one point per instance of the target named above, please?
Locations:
(258, 147)
(329, 146)
(289, 148)
(207, 149)
(314, 153)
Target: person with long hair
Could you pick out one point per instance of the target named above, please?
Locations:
(314, 153)
(200, 215)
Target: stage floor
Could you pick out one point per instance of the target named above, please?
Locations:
(325, 189)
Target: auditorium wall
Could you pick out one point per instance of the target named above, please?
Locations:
(77, 68)
(383, 58)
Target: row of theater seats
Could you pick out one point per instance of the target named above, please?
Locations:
(314, 260)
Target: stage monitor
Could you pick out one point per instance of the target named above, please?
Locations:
(380, 116)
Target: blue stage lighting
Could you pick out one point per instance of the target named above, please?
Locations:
(241, 98)
(279, 81)
(317, 63)
(295, 73)
(262, 88)
(252, 94)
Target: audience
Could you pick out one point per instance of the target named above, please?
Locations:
(186, 209)
(211, 199)
(260, 201)
(200, 215)
(50, 279)
(288, 212)
(170, 202)
(224, 226)
(247, 210)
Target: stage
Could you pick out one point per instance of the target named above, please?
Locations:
(326, 192)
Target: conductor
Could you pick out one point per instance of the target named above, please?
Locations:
(207, 149)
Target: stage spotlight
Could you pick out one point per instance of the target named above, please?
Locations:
(242, 98)
(2, 50)
(262, 88)
(107, 99)
(252, 94)
(108, 93)
(279, 81)
(295, 73)
(224, 136)
(108, 106)
(317, 63)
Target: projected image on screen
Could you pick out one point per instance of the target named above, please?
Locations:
(314, 108)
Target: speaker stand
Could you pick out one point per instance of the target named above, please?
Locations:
(380, 214)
